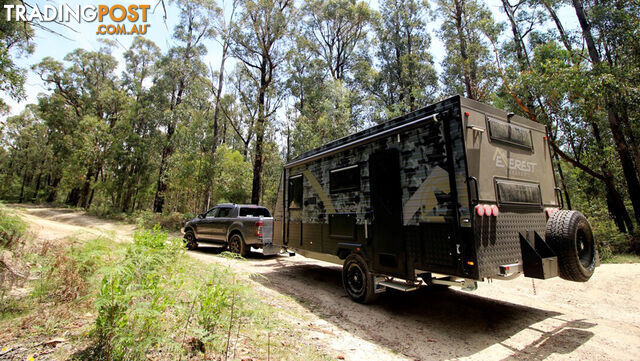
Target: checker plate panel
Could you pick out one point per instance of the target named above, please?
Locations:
(497, 239)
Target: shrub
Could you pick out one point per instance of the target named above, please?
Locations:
(608, 239)
(168, 221)
(12, 228)
(134, 296)
(65, 273)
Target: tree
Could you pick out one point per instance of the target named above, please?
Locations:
(407, 78)
(224, 29)
(134, 146)
(468, 67)
(88, 87)
(178, 70)
(259, 43)
(614, 103)
(336, 28)
(15, 41)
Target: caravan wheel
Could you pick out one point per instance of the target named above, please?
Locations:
(358, 282)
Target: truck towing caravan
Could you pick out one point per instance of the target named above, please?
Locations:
(451, 194)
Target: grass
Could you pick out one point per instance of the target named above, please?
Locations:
(142, 300)
(623, 258)
(171, 221)
(12, 229)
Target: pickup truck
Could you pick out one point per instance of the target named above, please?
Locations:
(236, 226)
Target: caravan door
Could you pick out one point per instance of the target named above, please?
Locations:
(386, 202)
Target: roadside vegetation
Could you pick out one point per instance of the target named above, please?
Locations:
(103, 300)
(163, 131)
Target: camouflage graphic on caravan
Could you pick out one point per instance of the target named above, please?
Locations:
(407, 199)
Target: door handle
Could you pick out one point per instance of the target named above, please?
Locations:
(477, 195)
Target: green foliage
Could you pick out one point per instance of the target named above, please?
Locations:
(407, 80)
(12, 228)
(14, 42)
(133, 297)
(469, 33)
(234, 174)
(65, 274)
(162, 137)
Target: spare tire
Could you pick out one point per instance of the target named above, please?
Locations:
(569, 235)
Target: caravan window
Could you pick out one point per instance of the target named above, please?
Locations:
(295, 192)
(510, 133)
(345, 179)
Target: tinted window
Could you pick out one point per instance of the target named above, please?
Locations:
(518, 193)
(212, 213)
(254, 212)
(224, 212)
(345, 179)
(510, 133)
(295, 192)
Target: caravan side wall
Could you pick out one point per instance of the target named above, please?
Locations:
(400, 200)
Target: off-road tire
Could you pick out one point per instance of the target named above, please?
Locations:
(236, 245)
(190, 240)
(569, 235)
(357, 280)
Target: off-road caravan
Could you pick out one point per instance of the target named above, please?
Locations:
(451, 194)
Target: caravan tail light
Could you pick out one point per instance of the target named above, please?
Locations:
(550, 211)
(487, 210)
(259, 225)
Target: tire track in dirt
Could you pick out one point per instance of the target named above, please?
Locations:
(599, 319)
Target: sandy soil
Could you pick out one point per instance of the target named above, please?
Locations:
(597, 320)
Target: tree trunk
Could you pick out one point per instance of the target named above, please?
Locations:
(54, 190)
(73, 197)
(158, 201)
(24, 179)
(627, 163)
(257, 160)
(562, 181)
(561, 31)
(216, 117)
(459, 4)
(86, 188)
(615, 202)
(628, 167)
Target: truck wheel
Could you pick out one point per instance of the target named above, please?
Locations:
(358, 282)
(236, 245)
(190, 240)
(569, 235)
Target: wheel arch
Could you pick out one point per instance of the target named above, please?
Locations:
(234, 231)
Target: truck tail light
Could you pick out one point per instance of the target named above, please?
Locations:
(494, 210)
(259, 225)
(480, 210)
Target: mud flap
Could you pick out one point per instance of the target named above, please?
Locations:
(538, 260)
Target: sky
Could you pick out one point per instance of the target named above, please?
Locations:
(159, 31)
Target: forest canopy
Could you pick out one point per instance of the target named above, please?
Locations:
(167, 132)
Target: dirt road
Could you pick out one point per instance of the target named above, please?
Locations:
(598, 320)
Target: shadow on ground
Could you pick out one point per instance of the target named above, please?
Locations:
(426, 324)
